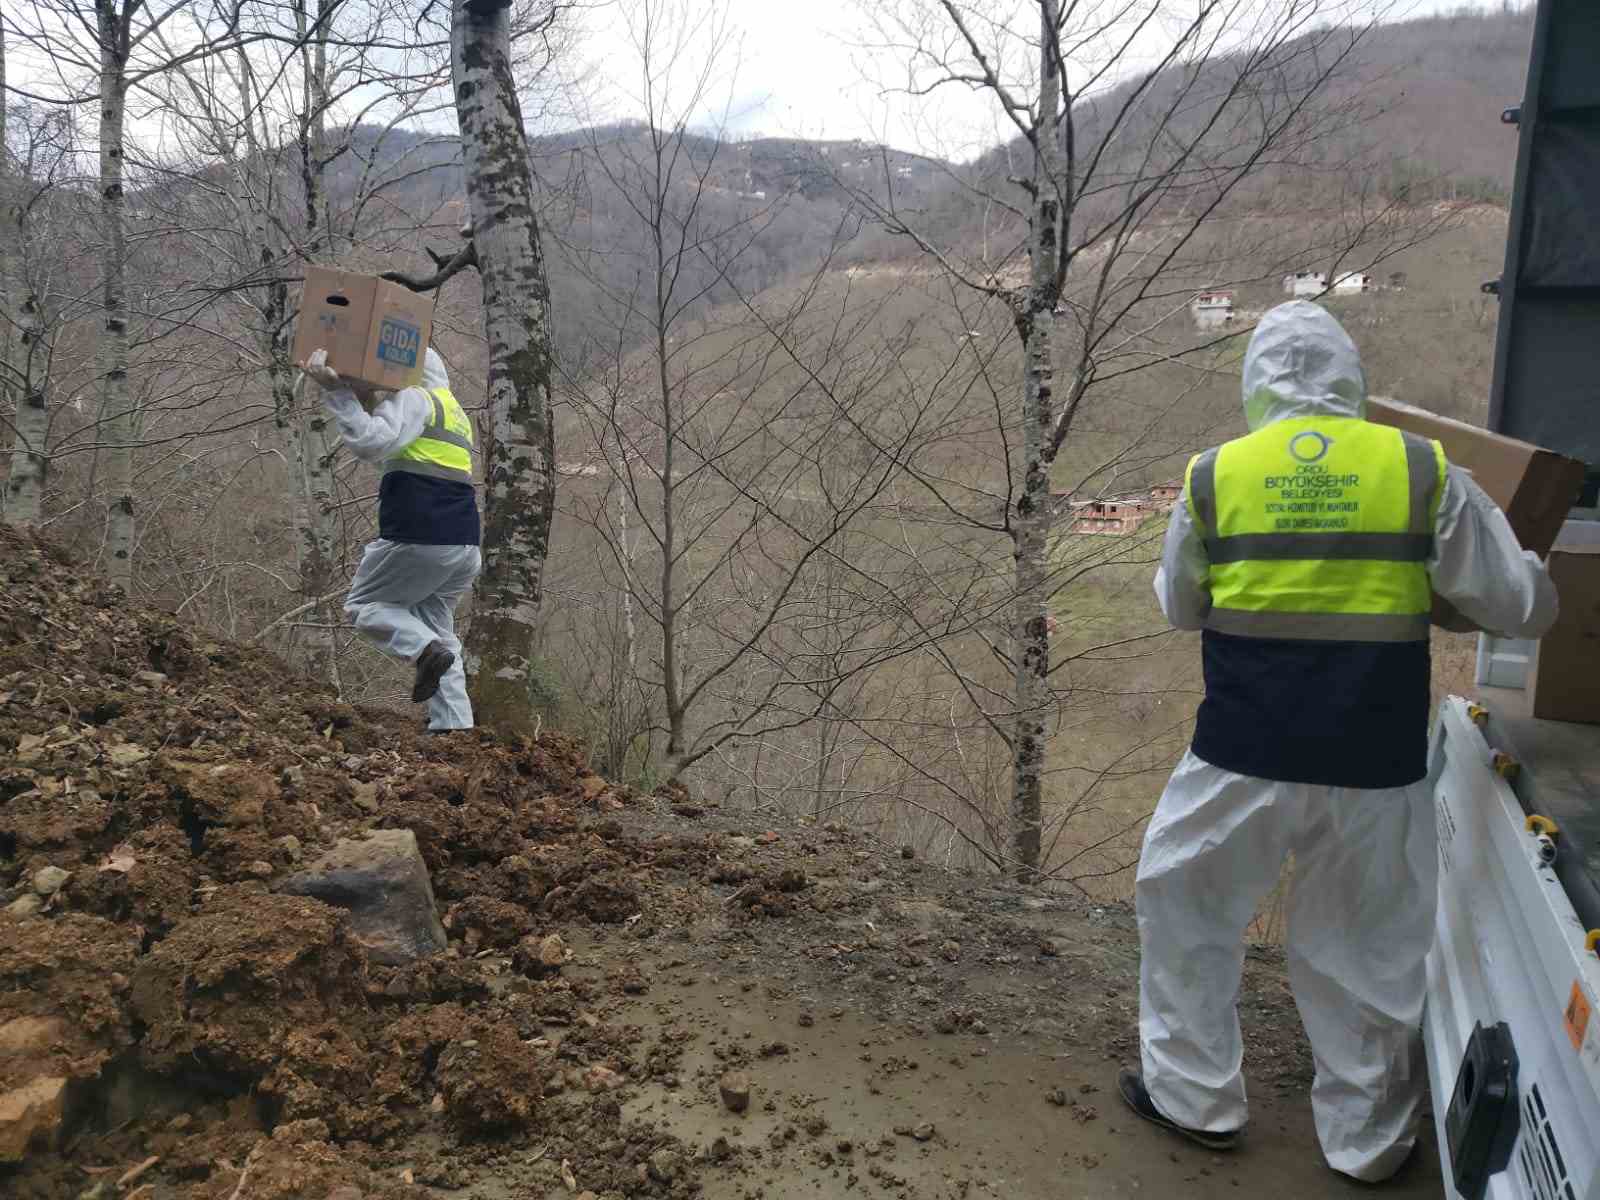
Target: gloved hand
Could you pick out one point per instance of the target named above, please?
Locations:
(319, 372)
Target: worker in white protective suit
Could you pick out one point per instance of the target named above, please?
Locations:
(1307, 552)
(404, 594)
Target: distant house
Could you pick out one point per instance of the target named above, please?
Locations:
(1109, 518)
(1305, 283)
(1164, 496)
(1211, 309)
(1116, 516)
(1352, 283)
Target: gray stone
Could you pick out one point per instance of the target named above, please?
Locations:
(665, 1165)
(26, 905)
(382, 881)
(47, 881)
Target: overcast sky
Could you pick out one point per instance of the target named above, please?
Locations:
(804, 69)
(801, 68)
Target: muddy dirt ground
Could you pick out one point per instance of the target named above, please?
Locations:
(173, 1028)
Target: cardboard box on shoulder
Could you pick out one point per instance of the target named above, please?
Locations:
(1566, 665)
(374, 331)
(1534, 487)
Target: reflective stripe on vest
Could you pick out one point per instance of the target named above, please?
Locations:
(1319, 528)
(444, 448)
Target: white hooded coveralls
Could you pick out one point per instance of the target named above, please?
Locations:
(404, 594)
(1361, 912)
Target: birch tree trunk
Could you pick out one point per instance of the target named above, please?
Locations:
(116, 410)
(311, 451)
(1034, 514)
(8, 377)
(29, 463)
(519, 455)
(24, 327)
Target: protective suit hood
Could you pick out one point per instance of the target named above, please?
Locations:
(1301, 363)
(433, 372)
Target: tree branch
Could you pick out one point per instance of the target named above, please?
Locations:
(466, 257)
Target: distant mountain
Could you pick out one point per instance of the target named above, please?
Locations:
(1433, 90)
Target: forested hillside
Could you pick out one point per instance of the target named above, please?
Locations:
(788, 465)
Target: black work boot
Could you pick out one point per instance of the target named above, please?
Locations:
(432, 663)
(1131, 1084)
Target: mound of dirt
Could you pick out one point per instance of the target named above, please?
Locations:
(166, 998)
(223, 991)
(156, 787)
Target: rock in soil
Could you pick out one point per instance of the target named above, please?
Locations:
(381, 881)
(735, 1090)
(539, 957)
(26, 905)
(31, 1117)
(63, 986)
(47, 881)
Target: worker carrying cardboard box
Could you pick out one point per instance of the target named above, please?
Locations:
(1307, 552)
(404, 594)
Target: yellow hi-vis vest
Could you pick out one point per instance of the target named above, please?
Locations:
(444, 448)
(1319, 528)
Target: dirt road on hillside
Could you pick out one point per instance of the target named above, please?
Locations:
(177, 1022)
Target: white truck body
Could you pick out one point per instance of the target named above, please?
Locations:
(1511, 946)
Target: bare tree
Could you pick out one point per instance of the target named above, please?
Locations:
(519, 452)
(110, 42)
(34, 214)
(1133, 133)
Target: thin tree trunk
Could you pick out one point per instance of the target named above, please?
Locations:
(625, 557)
(8, 251)
(519, 463)
(29, 463)
(1034, 515)
(824, 756)
(24, 327)
(116, 410)
(311, 455)
(304, 437)
(671, 683)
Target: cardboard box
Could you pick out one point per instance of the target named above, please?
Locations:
(373, 330)
(1566, 666)
(1534, 487)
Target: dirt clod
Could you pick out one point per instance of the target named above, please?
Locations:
(222, 991)
(491, 1080)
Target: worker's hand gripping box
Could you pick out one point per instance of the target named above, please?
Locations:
(1534, 487)
(374, 331)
